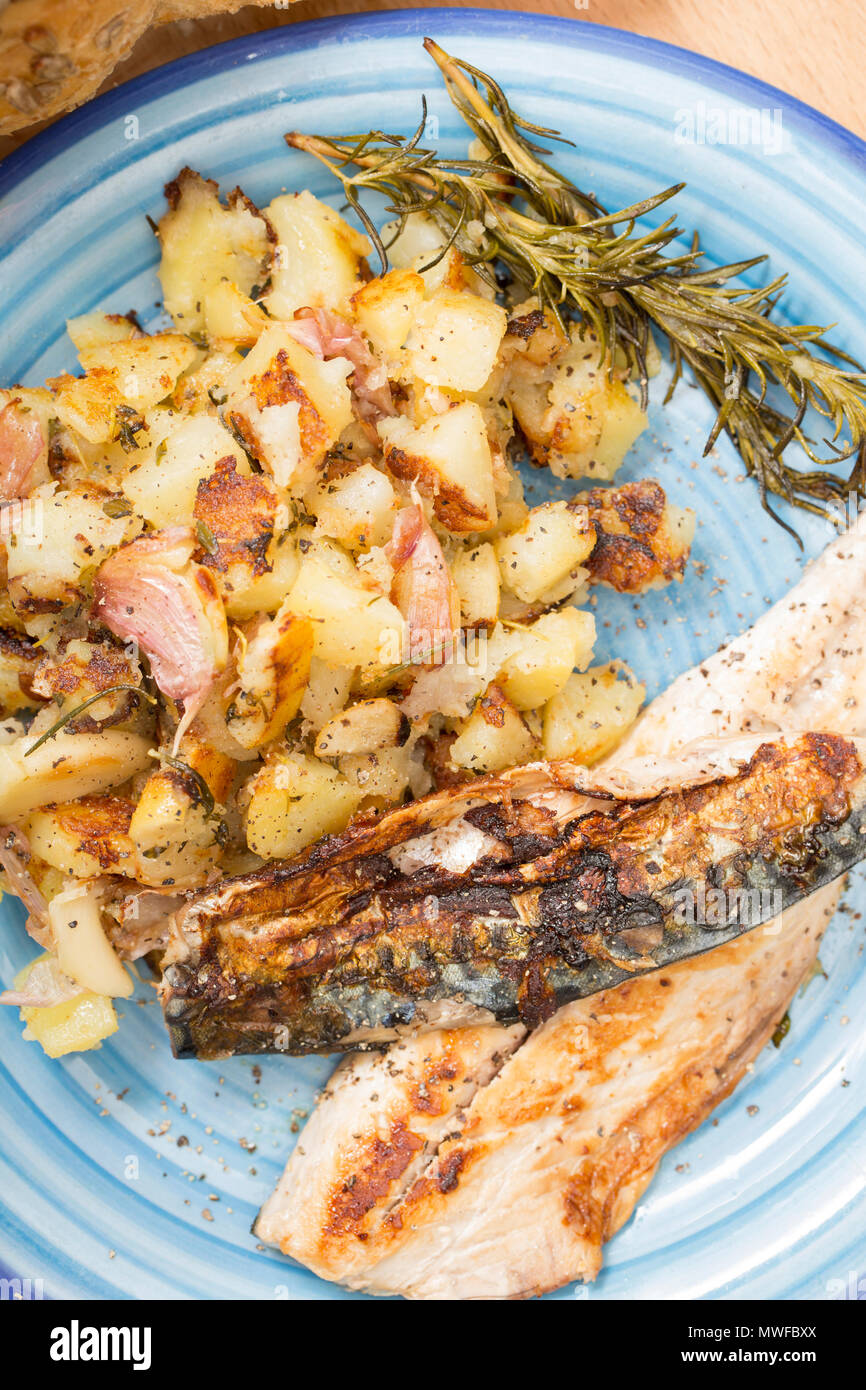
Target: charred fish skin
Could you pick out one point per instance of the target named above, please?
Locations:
(620, 1068)
(541, 920)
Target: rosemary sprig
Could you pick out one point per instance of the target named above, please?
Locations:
(79, 709)
(202, 793)
(512, 208)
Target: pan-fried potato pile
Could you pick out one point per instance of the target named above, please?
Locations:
(273, 566)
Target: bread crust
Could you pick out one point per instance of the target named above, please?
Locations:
(55, 55)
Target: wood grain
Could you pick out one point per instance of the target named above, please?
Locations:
(815, 52)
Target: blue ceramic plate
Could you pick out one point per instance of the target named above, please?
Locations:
(125, 1173)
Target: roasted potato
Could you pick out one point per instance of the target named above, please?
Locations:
(205, 242)
(591, 713)
(450, 461)
(318, 256)
(546, 554)
(273, 665)
(293, 801)
(288, 406)
(495, 736)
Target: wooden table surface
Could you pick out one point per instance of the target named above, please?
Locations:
(817, 52)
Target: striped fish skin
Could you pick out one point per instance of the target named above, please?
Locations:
(559, 1145)
(344, 948)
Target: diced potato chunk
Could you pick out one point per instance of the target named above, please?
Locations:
(173, 834)
(543, 656)
(74, 1025)
(419, 246)
(122, 379)
(162, 484)
(85, 838)
(577, 418)
(203, 387)
(493, 737)
(317, 261)
(88, 405)
(205, 242)
(66, 767)
(357, 509)
(246, 541)
(288, 406)
(381, 777)
(293, 801)
(548, 549)
(94, 330)
(326, 693)
(623, 422)
(643, 540)
(273, 667)
(476, 574)
(231, 318)
(450, 460)
(418, 240)
(454, 340)
(385, 310)
(352, 626)
(592, 712)
(144, 369)
(364, 727)
(72, 534)
(82, 671)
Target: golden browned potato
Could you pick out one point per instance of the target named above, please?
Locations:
(49, 566)
(122, 379)
(542, 656)
(65, 767)
(85, 838)
(454, 340)
(476, 574)
(161, 482)
(495, 736)
(352, 626)
(357, 508)
(293, 801)
(288, 406)
(591, 713)
(544, 557)
(273, 665)
(318, 257)
(642, 540)
(205, 242)
(244, 539)
(449, 459)
(576, 415)
(385, 311)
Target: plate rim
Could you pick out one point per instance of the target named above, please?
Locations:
(577, 34)
(841, 144)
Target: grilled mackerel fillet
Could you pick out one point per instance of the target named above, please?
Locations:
(367, 936)
(490, 1162)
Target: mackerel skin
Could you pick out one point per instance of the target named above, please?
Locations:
(341, 948)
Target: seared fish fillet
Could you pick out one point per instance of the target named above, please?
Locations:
(509, 1183)
(564, 1139)
(359, 939)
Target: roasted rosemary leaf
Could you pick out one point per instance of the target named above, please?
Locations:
(511, 208)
